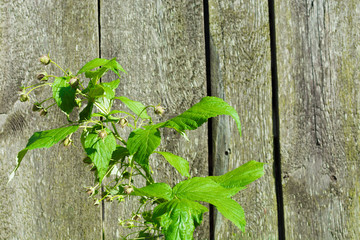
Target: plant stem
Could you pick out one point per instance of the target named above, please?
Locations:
(59, 67)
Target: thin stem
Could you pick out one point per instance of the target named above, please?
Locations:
(45, 100)
(117, 135)
(142, 112)
(37, 87)
(50, 106)
(59, 67)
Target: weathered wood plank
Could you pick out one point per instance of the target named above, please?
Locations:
(319, 68)
(161, 46)
(46, 199)
(241, 75)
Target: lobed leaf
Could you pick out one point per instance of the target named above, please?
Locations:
(43, 139)
(177, 162)
(64, 94)
(178, 218)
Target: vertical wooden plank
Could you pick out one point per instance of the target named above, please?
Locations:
(319, 69)
(241, 75)
(46, 199)
(161, 46)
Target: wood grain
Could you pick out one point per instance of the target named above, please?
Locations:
(240, 74)
(161, 46)
(319, 68)
(46, 199)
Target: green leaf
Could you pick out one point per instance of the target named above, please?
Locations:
(97, 62)
(232, 211)
(112, 64)
(85, 114)
(137, 107)
(158, 190)
(179, 218)
(96, 91)
(43, 139)
(201, 189)
(177, 162)
(198, 114)
(64, 94)
(205, 189)
(241, 176)
(142, 142)
(119, 153)
(99, 150)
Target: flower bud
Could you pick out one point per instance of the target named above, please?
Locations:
(102, 134)
(123, 122)
(67, 142)
(42, 76)
(136, 217)
(24, 97)
(128, 189)
(36, 107)
(78, 102)
(159, 110)
(90, 191)
(43, 112)
(74, 82)
(44, 59)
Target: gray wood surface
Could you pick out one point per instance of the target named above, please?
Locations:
(46, 199)
(161, 46)
(319, 70)
(240, 74)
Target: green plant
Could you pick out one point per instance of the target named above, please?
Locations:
(178, 211)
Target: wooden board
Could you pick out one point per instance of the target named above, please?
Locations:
(161, 46)
(241, 75)
(319, 82)
(46, 199)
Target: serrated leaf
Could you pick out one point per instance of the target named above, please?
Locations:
(201, 189)
(205, 189)
(198, 114)
(241, 176)
(85, 114)
(43, 139)
(64, 94)
(99, 150)
(142, 142)
(177, 162)
(136, 107)
(232, 211)
(158, 190)
(179, 218)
